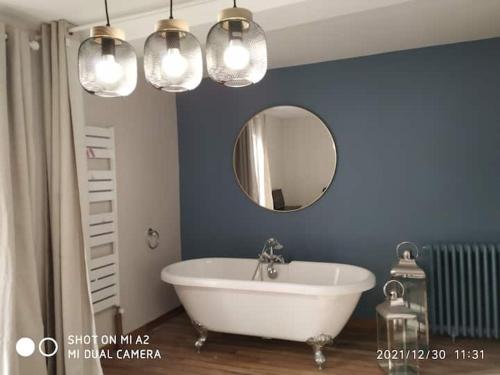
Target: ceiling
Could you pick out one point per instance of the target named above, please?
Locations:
(77, 12)
(298, 31)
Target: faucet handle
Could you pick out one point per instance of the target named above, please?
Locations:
(280, 259)
(273, 244)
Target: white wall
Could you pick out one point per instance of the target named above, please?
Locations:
(273, 135)
(310, 160)
(301, 157)
(148, 196)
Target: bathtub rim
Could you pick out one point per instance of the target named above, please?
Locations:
(361, 286)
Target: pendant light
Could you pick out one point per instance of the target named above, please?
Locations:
(172, 56)
(107, 63)
(236, 49)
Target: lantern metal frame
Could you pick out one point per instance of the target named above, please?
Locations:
(399, 333)
(413, 278)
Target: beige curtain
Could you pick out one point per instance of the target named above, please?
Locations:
(43, 280)
(72, 311)
(244, 165)
(252, 162)
(23, 209)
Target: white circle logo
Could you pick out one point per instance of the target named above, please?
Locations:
(41, 348)
(25, 347)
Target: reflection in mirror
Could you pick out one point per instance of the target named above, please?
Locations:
(284, 158)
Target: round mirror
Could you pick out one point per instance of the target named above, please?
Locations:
(284, 158)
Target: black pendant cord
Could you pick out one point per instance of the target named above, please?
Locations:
(234, 4)
(107, 14)
(171, 9)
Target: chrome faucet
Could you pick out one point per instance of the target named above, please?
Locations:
(267, 256)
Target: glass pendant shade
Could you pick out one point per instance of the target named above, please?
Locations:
(107, 64)
(236, 49)
(172, 57)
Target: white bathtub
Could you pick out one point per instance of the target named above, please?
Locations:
(306, 300)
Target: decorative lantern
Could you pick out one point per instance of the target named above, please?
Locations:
(107, 64)
(172, 56)
(408, 273)
(236, 49)
(397, 333)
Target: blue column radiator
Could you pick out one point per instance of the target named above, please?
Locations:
(464, 288)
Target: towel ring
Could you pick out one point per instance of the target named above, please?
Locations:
(153, 238)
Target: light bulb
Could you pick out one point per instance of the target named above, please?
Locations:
(107, 70)
(173, 64)
(236, 56)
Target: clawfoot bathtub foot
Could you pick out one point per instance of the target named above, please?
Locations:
(202, 335)
(318, 343)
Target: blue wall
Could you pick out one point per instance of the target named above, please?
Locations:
(418, 139)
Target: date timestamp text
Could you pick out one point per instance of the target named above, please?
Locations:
(433, 354)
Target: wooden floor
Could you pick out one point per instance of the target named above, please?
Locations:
(353, 353)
